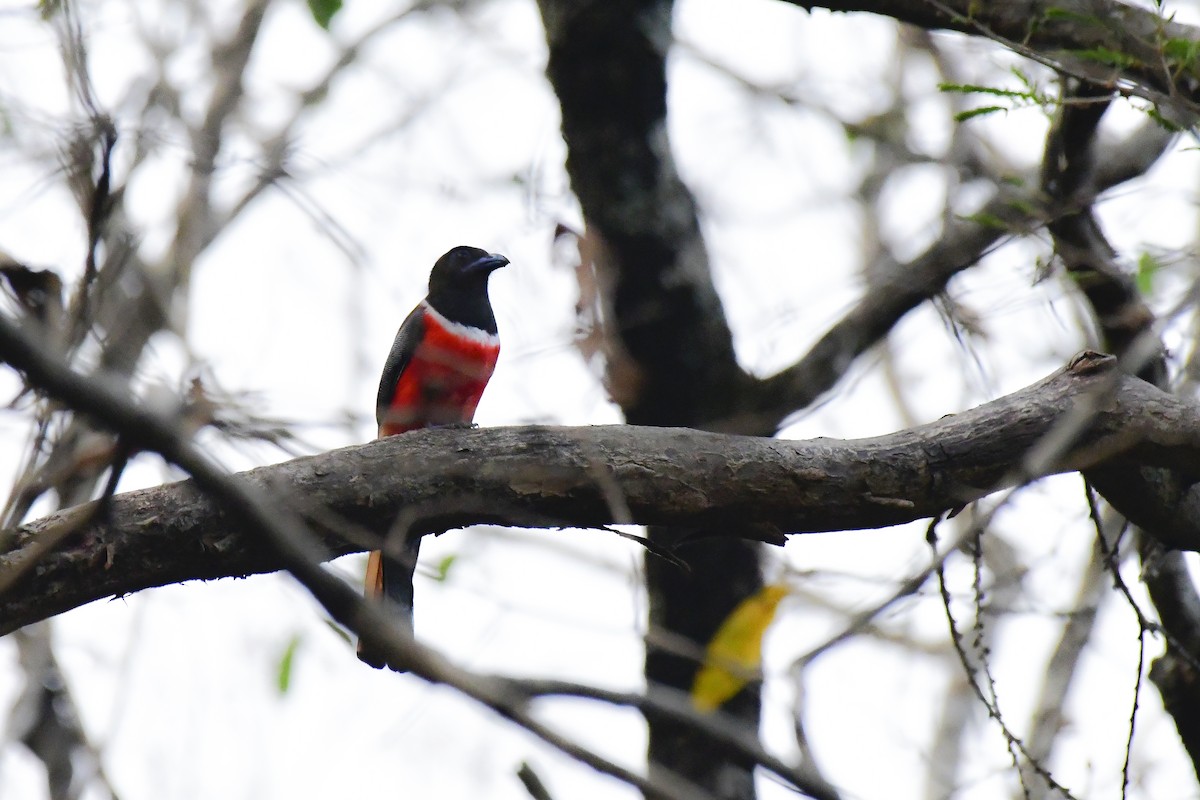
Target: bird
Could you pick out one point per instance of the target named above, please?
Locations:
(441, 360)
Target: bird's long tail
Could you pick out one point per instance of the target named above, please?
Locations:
(391, 581)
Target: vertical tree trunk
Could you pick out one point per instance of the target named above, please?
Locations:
(673, 361)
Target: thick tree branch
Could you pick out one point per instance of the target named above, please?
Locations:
(545, 477)
(1106, 42)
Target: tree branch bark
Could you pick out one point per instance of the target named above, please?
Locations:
(547, 477)
(1109, 43)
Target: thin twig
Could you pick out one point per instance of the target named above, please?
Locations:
(1013, 742)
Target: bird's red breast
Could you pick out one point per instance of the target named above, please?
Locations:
(444, 378)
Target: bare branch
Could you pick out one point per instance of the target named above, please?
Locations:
(1106, 42)
(544, 477)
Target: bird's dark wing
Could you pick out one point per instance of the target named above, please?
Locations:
(403, 347)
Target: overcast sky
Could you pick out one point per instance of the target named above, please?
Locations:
(445, 133)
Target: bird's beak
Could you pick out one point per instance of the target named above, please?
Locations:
(488, 263)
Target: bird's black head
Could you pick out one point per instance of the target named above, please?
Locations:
(458, 286)
(463, 267)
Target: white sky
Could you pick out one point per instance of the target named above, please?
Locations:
(177, 684)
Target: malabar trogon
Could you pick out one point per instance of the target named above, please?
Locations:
(440, 362)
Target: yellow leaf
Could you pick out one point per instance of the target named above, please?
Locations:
(734, 656)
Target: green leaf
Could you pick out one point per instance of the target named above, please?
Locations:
(1162, 121)
(323, 11)
(443, 568)
(339, 631)
(1108, 57)
(963, 116)
(974, 88)
(987, 221)
(1023, 206)
(1185, 50)
(1029, 83)
(283, 680)
(1054, 14)
(1147, 267)
(48, 8)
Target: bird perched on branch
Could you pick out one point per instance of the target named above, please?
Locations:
(440, 362)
